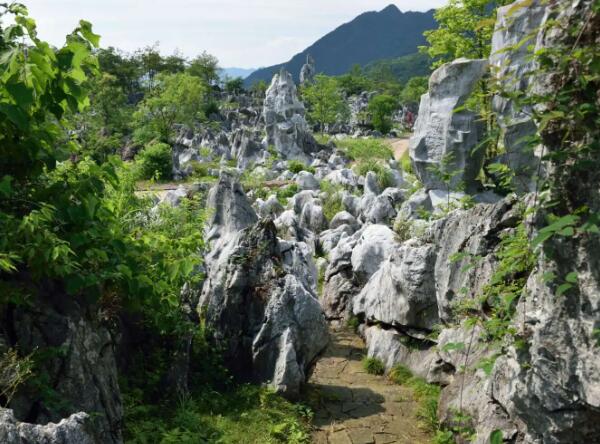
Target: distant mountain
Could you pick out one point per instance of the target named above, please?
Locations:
(236, 72)
(403, 68)
(389, 33)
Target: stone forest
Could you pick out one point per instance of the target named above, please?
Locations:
(406, 251)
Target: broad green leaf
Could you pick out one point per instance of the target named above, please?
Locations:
(496, 437)
(572, 277)
(86, 31)
(562, 289)
(22, 95)
(15, 115)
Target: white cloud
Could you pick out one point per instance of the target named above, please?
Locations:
(248, 33)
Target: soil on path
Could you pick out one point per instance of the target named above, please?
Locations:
(354, 407)
(399, 146)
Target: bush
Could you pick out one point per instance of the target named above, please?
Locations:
(403, 229)
(283, 194)
(406, 163)
(155, 161)
(295, 166)
(385, 179)
(373, 366)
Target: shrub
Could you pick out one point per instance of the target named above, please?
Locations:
(295, 166)
(373, 366)
(385, 179)
(406, 163)
(403, 229)
(14, 371)
(283, 194)
(155, 161)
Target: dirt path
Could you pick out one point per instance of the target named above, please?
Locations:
(353, 407)
(399, 146)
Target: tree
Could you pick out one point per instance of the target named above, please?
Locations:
(354, 82)
(128, 70)
(465, 30)
(259, 88)
(206, 67)
(235, 85)
(174, 63)
(381, 108)
(177, 98)
(151, 61)
(325, 101)
(414, 89)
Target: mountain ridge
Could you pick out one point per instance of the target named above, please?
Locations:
(371, 36)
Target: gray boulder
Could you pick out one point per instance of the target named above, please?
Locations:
(442, 131)
(402, 292)
(344, 177)
(270, 207)
(344, 218)
(306, 181)
(374, 245)
(72, 430)
(312, 217)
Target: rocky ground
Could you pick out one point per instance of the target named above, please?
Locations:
(354, 407)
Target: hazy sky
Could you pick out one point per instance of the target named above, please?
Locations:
(241, 33)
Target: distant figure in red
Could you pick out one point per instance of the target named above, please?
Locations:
(409, 120)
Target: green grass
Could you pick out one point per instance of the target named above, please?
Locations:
(406, 163)
(332, 202)
(248, 414)
(283, 194)
(365, 149)
(385, 179)
(373, 366)
(427, 395)
(295, 166)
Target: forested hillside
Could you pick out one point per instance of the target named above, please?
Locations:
(369, 37)
(400, 253)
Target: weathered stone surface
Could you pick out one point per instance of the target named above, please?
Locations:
(373, 247)
(402, 291)
(442, 131)
(308, 71)
(344, 177)
(72, 430)
(286, 127)
(307, 181)
(344, 218)
(312, 217)
(270, 207)
(83, 376)
(268, 324)
(229, 210)
(516, 29)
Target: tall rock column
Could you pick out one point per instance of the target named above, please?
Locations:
(442, 131)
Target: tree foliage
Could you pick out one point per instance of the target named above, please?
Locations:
(381, 108)
(324, 100)
(177, 98)
(465, 30)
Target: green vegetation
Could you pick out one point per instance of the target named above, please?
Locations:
(385, 179)
(176, 98)
(325, 102)
(413, 90)
(465, 29)
(373, 366)
(332, 202)
(283, 194)
(295, 166)
(427, 395)
(382, 108)
(364, 149)
(155, 162)
(402, 68)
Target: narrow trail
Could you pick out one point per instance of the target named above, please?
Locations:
(354, 407)
(399, 146)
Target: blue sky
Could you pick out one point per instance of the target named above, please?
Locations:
(241, 33)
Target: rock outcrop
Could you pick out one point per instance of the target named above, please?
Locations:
(308, 71)
(258, 299)
(445, 137)
(286, 126)
(73, 430)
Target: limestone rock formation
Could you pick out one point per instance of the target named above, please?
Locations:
(258, 298)
(72, 430)
(286, 126)
(442, 133)
(516, 28)
(308, 71)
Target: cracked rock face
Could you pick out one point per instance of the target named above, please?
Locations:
(308, 71)
(72, 430)
(258, 299)
(441, 130)
(286, 126)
